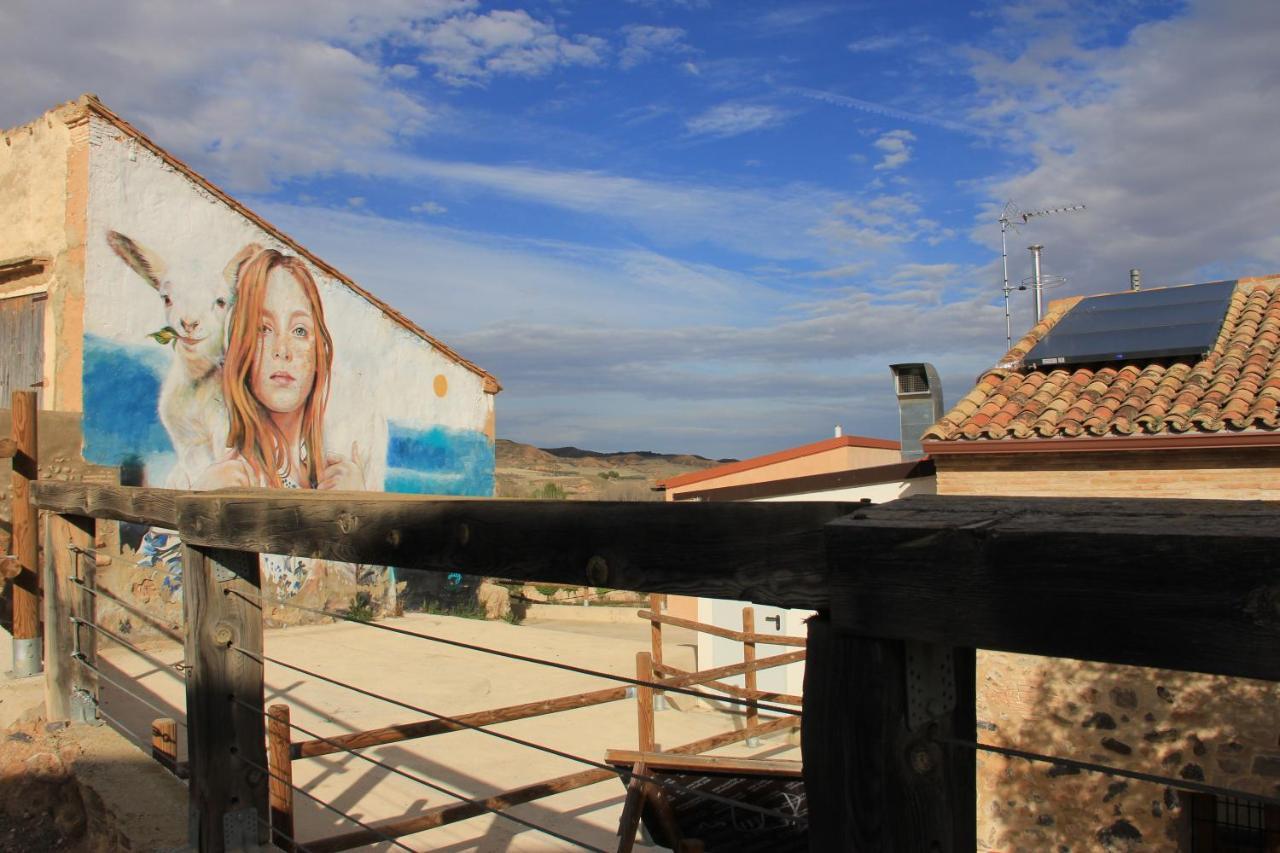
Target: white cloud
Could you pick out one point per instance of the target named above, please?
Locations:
(589, 343)
(1168, 142)
(470, 48)
(257, 93)
(896, 145)
(734, 118)
(786, 222)
(875, 44)
(643, 42)
(430, 208)
(875, 108)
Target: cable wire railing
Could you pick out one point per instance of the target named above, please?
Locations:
(904, 594)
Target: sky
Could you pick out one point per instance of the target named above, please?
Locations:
(704, 226)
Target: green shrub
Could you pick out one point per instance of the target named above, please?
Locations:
(361, 608)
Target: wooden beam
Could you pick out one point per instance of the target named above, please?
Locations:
(749, 658)
(164, 743)
(716, 630)
(281, 783)
(26, 584)
(732, 765)
(873, 784)
(226, 734)
(1187, 585)
(703, 676)
(428, 728)
(733, 689)
(64, 601)
(766, 553)
(155, 507)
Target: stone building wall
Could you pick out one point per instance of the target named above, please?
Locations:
(1223, 731)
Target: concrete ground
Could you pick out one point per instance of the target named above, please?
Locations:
(451, 681)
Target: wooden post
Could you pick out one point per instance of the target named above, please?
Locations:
(26, 586)
(226, 731)
(644, 703)
(70, 687)
(281, 783)
(655, 635)
(164, 743)
(749, 658)
(874, 784)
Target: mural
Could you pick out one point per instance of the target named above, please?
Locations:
(216, 357)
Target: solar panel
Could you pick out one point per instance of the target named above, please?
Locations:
(1145, 324)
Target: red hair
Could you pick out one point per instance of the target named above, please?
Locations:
(253, 433)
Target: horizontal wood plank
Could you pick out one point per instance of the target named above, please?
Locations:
(1190, 585)
(765, 553)
(716, 630)
(730, 764)
(137, 504)
(428, 728)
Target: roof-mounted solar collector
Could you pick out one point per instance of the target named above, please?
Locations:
(1167, 322)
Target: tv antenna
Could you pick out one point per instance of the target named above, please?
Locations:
(1011, 217)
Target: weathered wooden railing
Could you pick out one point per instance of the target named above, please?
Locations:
(914, 586)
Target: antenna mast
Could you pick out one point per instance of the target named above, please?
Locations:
(1012, 215)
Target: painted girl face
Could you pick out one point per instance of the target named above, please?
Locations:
(284, 363)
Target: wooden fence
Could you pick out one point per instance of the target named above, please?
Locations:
(905, 592)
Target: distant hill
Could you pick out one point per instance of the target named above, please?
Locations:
(579, 453)
(525, 471)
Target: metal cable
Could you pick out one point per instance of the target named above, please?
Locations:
(170, 668)
(256, 766)
(79, 656)
(298, 845)
(92, 552)
(128, 733)
(168, 631)
(622, 773)
(1185, 784)
(434, 786)
(638, 682)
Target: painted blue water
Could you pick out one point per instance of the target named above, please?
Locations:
(439, 461)
(121, 388)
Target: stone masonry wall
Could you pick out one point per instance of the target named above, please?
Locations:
(1224, 731)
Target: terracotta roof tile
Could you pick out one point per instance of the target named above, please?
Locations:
(1236, 386)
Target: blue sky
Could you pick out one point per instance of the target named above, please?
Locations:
(700, 225)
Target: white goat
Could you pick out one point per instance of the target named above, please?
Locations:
(191, 406)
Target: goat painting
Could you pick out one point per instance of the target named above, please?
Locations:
(196, 306)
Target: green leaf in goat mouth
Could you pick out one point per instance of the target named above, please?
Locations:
(167, 335)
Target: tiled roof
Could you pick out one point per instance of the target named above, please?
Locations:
(1235, 387)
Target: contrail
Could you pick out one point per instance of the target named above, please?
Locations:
(881, 109)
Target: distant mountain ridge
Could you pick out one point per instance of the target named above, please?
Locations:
(525, 471)
(579, 453)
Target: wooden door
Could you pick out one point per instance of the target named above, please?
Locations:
(21, 345)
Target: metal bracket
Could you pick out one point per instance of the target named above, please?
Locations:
(84, 707)
(931, 682)
(240, 829)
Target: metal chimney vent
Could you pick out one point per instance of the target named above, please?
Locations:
(919, 393)
(911, 379)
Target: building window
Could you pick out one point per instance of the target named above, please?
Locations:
(1232, 825)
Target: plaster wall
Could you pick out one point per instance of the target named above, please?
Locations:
(875, 492)
(823, 462)
(1224, 731)
(160, 250)
(42, 196)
